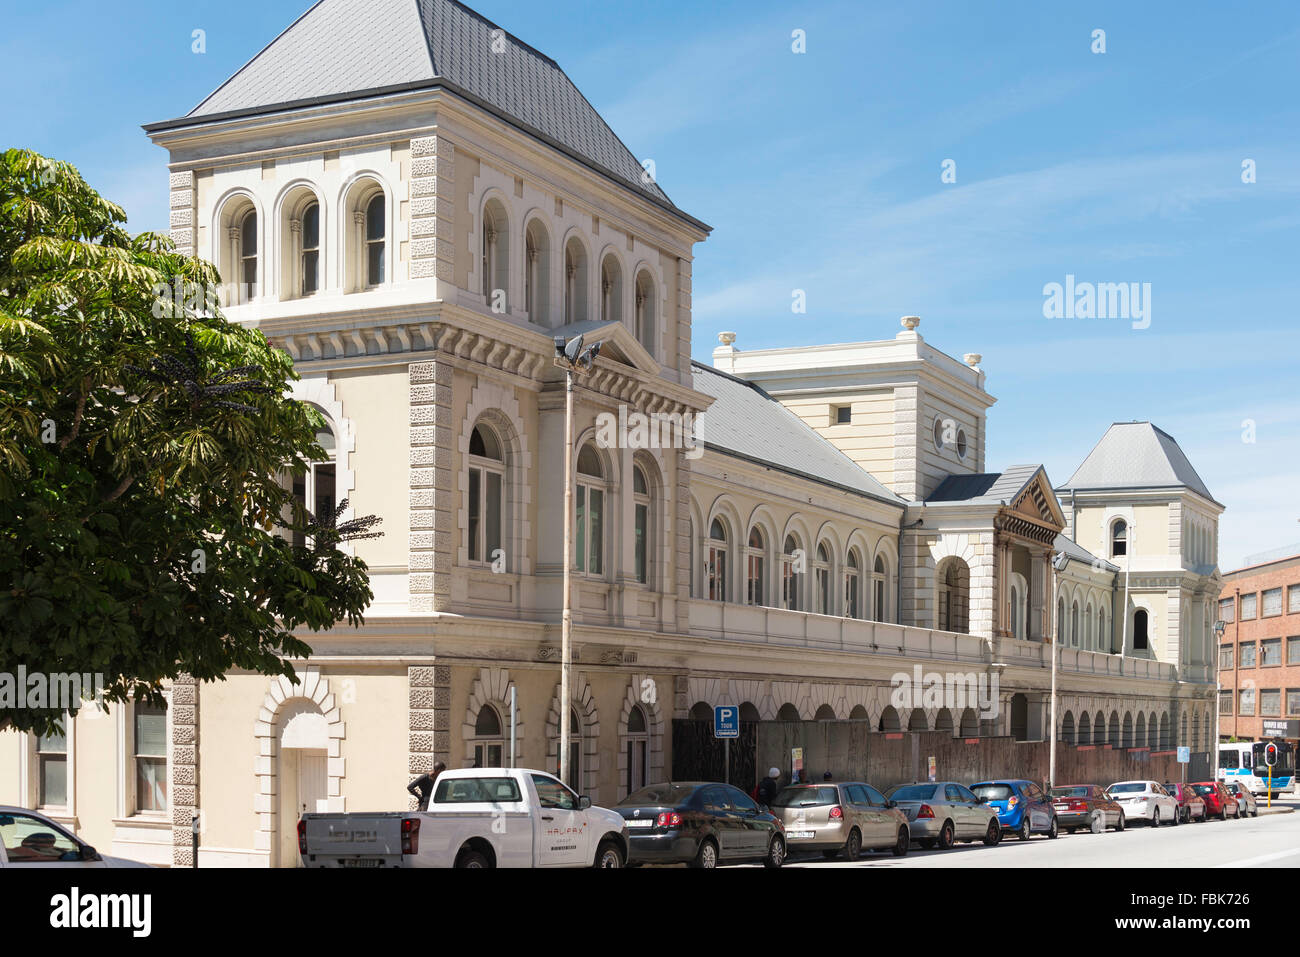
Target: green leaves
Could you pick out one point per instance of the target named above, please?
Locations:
(141, 437)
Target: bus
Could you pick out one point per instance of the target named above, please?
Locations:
(1244, 761)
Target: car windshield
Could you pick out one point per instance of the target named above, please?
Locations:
(993, 792)
(1069, 792)
(1202, 789)
(806, 797)
(668, 795)
(912, 792)
(476, 791)
(1129, 787)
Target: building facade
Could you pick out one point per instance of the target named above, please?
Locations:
(414, 205)
(1259, 650)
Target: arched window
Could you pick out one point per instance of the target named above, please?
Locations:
(1061, 624)
(754, 564)
(1140, 638)
(309, 263)
(537, 273)
(1119, 538)
(636, 745)
(852, 582)
(791, 573)
(1103, 635)
(641, 525)
(247, 255)
(575, 282)
(1074, 625)
(878, 578)
(611, 291)
(1087, 629)
(645, 312)
(715, 568)
(590, 496)
(489, 744)
(314, 488)
(1013, 625)
(823, 578)
(496, 256)
(376, 237)
(486, 498)
(954, 596)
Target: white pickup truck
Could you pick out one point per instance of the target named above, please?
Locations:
(477, 817)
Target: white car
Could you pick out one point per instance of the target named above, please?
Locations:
(30, 839)
(477, 817)
(1145, 801)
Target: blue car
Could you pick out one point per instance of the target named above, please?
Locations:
(1023, 807)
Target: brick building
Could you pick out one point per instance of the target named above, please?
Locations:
(1259, 651)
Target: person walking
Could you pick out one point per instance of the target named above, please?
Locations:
(422, 787)
(769, 786)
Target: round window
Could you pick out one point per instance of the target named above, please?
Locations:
(961, 443)
(938, 433)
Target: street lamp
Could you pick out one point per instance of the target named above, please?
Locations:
(1059, 561)
(572, 358)
(1220, 627)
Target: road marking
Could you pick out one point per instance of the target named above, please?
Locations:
(1262, 859)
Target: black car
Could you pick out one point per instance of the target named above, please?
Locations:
(700, 823)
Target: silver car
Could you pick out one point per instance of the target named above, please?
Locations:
(31, 839)
(944, 812)
(1246, 800)
(840, 818)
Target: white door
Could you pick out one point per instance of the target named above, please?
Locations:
(313, 782)
(562, 833)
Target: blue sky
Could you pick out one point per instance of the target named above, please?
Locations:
(821, 171)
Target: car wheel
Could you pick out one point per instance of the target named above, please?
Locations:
(993, 835)
(1237, 816)
(707, 855)
(927, 843)
(1223, 815)
(947, 836)
(1025, 830)
(903, 844)
(1178, 817)
(1122, 823)
(853, 846)
(608, 855)
(1155, 816)
(1053, 832)
(775, 853)
(472, 859)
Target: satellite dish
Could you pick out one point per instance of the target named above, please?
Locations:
(573, 349)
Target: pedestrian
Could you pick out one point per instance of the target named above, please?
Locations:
(768, 787)
(422, 787)
(826, 776)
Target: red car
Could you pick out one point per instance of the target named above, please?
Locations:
(1191, 806)
(1218, 799)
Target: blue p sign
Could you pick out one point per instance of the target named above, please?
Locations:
(726, 721)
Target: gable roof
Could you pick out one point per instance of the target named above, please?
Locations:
(747, 422)
(349, 49)
(1022, 486)
(1137, 455)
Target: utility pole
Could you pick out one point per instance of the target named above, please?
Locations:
(1059, 561)
(571, 356)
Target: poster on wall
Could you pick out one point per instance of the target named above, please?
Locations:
(796, 764)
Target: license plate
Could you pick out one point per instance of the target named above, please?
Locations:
(640, 823)
(361, 862)
(801, 835)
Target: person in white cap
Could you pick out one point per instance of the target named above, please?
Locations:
(768, 787)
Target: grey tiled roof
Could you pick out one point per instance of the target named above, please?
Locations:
(1081, 554)
(985, 488)
(745, 421)
(354, 47)
(1136, 455)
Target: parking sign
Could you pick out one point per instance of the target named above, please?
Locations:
(726, 721)
(1184, 755)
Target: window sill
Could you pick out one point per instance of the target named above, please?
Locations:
(149, 819)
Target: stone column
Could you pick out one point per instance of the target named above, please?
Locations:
(433, 162)
(184, 768)
(182, 219)
(432, 487)
(428, 719)
(1039, 597)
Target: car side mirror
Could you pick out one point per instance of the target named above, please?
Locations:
(584, 802)
(88, 853)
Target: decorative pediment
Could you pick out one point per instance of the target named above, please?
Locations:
(1037, 502)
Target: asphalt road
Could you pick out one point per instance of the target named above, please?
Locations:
(1271, 840)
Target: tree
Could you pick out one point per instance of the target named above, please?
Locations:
(144, 443)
